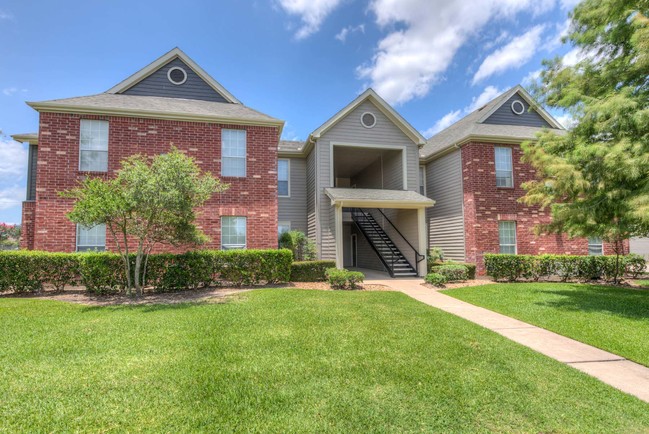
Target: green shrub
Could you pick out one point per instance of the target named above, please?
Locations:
(435, 255)
(102, 273)
(435, 279)
(344, 279)
(635, 265)
(470, 268)
(452, 272)
(22, 271)
(310, 271)
(62, 269)
(302, 247)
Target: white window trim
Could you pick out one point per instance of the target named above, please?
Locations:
(107, 147)
(600, 244)
(422, 172)
(288, 175)
(515, 236)
(235, 246)
(511, 172)
(245, 157)
(177, 83)
(76, 241)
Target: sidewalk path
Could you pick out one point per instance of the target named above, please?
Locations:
(623, 374)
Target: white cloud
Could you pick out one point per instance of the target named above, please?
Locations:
(513, 55)
(566, 120)
(489, 93)
(8, 91)
(311, 12)
(6, 15)
(425, 35)
(345, 31)
(531, 78)
(568, 5)
(13, 160)
(11, 197)
(554, 41)
(446, 121)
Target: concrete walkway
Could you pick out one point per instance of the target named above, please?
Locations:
(610, 368)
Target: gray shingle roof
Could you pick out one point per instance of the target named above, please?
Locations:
(470, 126)
(162, 105)
(291, 145)
(370, 194)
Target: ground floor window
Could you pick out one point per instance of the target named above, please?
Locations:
(91, 239)
(595, 247)
(507, 237)
(233, 233)
(284, 226)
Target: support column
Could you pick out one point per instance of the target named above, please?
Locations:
(423, 244)
(338, 226)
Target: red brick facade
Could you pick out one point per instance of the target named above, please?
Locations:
(485, 205)
(27, 232)
(254, 196)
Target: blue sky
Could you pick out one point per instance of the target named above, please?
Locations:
(297, 60)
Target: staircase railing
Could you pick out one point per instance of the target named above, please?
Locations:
(358, 215)
(418, 257)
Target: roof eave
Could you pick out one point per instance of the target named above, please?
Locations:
(31, 138)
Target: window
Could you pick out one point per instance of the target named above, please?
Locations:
(595, 247)
(93, 238)
(283, 227)
(233, 152)
(233, 233)
(504, 171)
(93, 146)
(422, 180)
(283, 172)
(507, 237)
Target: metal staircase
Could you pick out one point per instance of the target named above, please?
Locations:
(392, 258)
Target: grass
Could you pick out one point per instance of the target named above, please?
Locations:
(611, 318)
(643, 282)
(286, 361)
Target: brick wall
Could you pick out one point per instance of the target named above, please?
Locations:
(485, 205)
(254, 197)
(27, 229)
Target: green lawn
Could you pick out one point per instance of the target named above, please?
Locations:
(612, 318)
(286, 361)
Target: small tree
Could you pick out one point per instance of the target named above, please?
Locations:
(595, 179)
(302, 247)
(9, 236)
(147, 203)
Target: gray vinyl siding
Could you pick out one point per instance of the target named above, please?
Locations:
(639, 246)
(31, 172)
(157, 84)
(505, 116)
(293, 208)
(310, 195)
(393, 171)
(350, 131)
(446, 218)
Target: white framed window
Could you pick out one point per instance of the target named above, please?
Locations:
(233, 153)
(504, 167)
(422, 180)
(283, 177)
(233, 233)
(283, 226)
(93, 146)
(92, 238)
(507, 237)
(595, 246)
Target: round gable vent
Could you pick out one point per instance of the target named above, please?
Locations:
(177, 75)
(518, 107)
(368, 120)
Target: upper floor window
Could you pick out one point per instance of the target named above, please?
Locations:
(595, 246)
(507, 237)
(92, 238)
(422, 180)
(504, 167)
(93, 146)
(283, 171)
(233, 233)
(283, 226)
(233, 153)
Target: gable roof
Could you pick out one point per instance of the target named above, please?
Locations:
(472, 126)
(176, 53)
(383, 106)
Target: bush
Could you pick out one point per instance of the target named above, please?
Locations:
(300, 245)
(470, 268)
(435, 255)
(435, 279)
(344, 279)
(452, 272)
(635, 265)
(22, 271)
(102, 273)
(310, 271)
(566, 267)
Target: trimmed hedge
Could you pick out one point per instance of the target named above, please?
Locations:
(344, 279)
(452, 272)
(566, 267)
(103, 273)
(470, 268)
(435, 279)
(310, 271)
